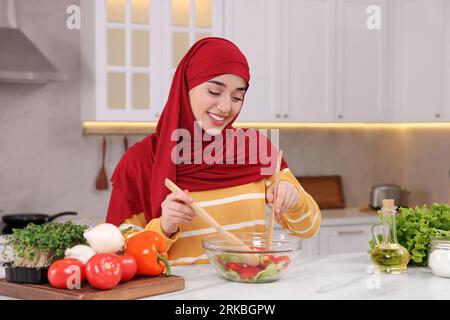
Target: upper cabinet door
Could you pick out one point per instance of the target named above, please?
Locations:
(254, 26)
(130, 49)
(362, 57)
(422, 60)
(186, 22)
(308, 60)
(120, 53)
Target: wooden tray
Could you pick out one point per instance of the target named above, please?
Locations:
(327, 191)
(139, 287)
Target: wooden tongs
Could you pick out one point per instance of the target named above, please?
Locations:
(250, 259)
(275, 193)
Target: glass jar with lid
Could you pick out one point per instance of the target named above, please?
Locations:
(439, 256)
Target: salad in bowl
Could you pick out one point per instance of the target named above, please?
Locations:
(273, 261)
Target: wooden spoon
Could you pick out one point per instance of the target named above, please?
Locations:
(250, 259)
(102, 179)
(275, 192)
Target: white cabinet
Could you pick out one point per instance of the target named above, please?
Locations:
(311, 60)
(344, 239)
(361, 55)
(254, 26)
(308, 61)
(422, 63)
(332, 239)
(130, 49)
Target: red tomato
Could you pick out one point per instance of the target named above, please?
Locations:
(248, 272)
(104, 271)
(66, 274)
(285, 259)
(129, 267)
(234, 266)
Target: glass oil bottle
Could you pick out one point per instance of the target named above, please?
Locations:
(388, 255)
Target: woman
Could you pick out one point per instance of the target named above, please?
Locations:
(206, 96)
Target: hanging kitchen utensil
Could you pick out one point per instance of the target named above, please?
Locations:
(275, 193)
(250, 259)
(21, 220)
(102, 179)
(125, 143)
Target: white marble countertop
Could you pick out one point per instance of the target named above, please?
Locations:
(341, 276)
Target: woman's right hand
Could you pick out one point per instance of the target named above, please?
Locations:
(175, 211)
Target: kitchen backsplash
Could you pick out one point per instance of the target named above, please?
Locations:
(46, 165)
(417, 159)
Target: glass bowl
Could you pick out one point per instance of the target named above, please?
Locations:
(258, 262)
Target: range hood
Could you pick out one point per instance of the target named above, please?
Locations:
(20, 60)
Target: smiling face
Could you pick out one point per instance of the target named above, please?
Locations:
(217, 101)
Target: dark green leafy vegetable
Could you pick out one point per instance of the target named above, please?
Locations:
(38, 246)
(417, 226)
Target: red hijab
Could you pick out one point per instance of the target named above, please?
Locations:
(138, 180)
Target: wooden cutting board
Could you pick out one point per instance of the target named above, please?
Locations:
(327, 191)
(139, 287)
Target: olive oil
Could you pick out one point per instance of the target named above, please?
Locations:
(389, 256)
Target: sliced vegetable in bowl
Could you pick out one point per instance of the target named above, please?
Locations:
(274, 260)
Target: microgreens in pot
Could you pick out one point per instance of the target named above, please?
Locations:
(38, 246)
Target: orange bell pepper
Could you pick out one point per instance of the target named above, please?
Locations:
(149, 250)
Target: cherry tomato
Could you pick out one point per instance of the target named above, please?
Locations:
(285, 259)
(104, 271)
(234, 266)
(129, 267)
(66, 274)
(248, 272)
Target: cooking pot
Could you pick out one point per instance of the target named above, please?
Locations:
(379, 192)
(21, 220)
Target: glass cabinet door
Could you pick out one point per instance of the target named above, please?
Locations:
(128, 27)
(138, 44)
(189, 21)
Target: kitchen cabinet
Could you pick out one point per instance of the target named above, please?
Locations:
(323, 63)
(361, 54)
(289, 46)
(338, 239)
(130, 49)
(422, 63)
(344, 239)
(255, 27)
(310, 60)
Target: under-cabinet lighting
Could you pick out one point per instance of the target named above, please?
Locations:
(143, 128)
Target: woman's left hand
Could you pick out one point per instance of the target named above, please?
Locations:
(286, 198)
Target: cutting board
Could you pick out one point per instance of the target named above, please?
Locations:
(327, 191)
(139, 287)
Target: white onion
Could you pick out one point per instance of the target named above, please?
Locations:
(80, 252)
(105, 238)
